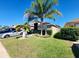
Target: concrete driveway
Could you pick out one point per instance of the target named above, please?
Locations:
(3, 52)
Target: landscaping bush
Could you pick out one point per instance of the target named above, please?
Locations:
(58, 35)
(69, 33)
(36, 31)
(49, 32)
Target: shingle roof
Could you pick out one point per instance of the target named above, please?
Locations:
(75, 20)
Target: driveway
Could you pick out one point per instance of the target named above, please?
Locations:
(3, 52)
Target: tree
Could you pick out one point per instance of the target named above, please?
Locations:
(18, 27)
(43, 9)
(25, 28)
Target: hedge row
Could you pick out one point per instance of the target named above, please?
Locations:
(49, 32)
(70, 33)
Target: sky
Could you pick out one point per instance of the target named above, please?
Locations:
(12, 11)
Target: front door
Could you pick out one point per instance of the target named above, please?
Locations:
(35, 26)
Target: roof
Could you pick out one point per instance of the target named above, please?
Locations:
(45, 23)
(75, 20)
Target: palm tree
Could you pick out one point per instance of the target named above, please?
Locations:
(43, 9)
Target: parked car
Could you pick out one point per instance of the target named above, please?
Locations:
(10, 32)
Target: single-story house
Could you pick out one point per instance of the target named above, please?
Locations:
(73, 23)
(45, 25)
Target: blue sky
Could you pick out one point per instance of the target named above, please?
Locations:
(12, 11)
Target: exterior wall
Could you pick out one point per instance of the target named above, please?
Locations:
(55, 30)
(73, 23)
(31, 27)
(44, 27)
(70, 24)
(77, 25)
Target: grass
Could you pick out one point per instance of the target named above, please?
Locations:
(38, 47)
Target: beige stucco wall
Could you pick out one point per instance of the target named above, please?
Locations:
(54, 30)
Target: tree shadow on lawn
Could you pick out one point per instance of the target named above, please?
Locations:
(75, 50)
(66, 39)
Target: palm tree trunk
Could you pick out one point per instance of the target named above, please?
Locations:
(24, 34)
(41, 26)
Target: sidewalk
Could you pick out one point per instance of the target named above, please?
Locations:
(3, 52)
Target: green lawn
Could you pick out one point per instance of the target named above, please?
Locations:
(38, 47)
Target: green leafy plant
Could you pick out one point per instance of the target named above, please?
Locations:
(25, 27)
(58, 35)
(68, 33)
(43, 9)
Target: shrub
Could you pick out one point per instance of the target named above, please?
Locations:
(57, 35)
(69, 33)
(49, 32)
(36, 31)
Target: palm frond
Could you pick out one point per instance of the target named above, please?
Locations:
(39, 7)
(50, 17)
(48, 7)
(54, 12)
(40, 2)
(45, 5)
(33, 4)
(58, 13)
(55, 2)
(50, 13)
(46, 2)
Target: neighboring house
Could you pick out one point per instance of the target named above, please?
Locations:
(4, 27)
(74, 23)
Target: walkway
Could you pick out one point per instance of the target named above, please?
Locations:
(3, 52)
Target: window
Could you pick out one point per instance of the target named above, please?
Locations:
(77, 25)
